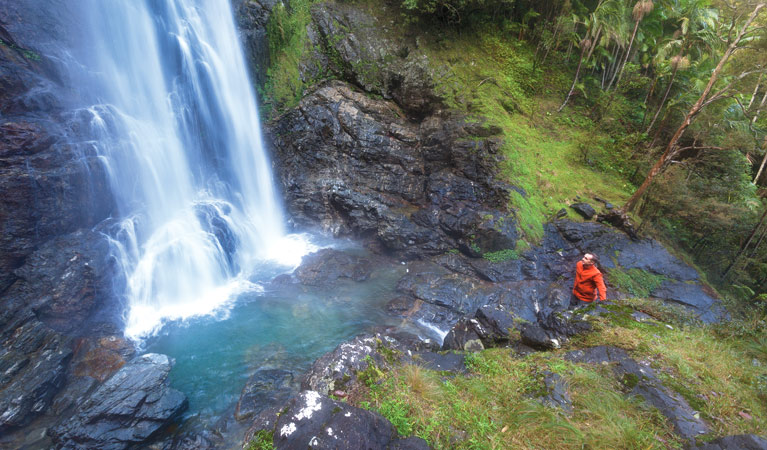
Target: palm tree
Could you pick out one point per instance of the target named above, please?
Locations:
(641, 9)
(695, 33)
(598, 23)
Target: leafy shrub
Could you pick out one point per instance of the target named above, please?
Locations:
(501, 255)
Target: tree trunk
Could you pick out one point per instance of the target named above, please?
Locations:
(575, 80)
(612, 68)
(625, 58)
(756, 89)
(745, 245)
(665, 97)
(671, 150)
(594, 42)
(759, 108)
(647, 98)
(764, 160)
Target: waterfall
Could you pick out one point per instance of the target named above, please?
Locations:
(176, 126)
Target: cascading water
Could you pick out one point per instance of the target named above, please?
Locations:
(177, 127)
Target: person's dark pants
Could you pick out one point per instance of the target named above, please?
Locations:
(576, 302)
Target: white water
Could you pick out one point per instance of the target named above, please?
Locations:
(178, 131)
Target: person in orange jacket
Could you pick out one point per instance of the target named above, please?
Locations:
(588, 281)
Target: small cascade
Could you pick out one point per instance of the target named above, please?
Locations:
(177, 128)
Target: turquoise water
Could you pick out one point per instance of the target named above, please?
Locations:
(285, 327)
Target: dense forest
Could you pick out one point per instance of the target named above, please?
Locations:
(661, 102)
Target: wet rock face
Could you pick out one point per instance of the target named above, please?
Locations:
(353, 165)
(252, 17)
(51, 180)
(33, 363)
(52, 300)
(311, 420)
(325, 267)
(126, 410)
(370, 53)
(65, 281)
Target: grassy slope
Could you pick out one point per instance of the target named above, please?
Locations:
(721, 374)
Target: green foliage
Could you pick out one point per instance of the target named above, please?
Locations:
(371, 374)
(457, 11)
(263, 440)
(501, 255)
(480, 363)
(636, 282)
(287, 37)
(26, 53)
(397, 411)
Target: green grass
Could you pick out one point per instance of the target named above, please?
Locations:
(495, 407)
(721, 371)
(263, 440)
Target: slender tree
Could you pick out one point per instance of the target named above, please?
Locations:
(764, 160)
(641, 9)
(695, 36)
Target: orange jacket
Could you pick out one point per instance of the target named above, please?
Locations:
(587, 281)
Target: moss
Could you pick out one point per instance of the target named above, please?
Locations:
(263, 440)
(637, 282)
(288, 47)
(390, 355)
(371, 374)
(630, 380)
(501, 255)
(26, 53)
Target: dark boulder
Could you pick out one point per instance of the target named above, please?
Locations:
(354, 166)
(584, 209)
(311, 420)
(127, 410)
(488, 328)
(537, 337)
(737, 442)
(694, 298)
(556, 395)
(327, 266)
(465, 336)
(267, 387)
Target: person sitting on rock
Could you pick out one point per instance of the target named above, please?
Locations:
(588, 281)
